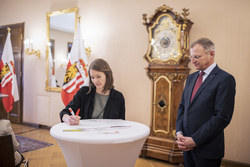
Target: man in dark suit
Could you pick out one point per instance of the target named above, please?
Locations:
(205, 111)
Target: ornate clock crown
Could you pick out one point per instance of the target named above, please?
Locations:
(168, 36)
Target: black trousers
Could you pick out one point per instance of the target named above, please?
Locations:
(191, 160)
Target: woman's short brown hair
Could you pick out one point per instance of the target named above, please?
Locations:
(101, 66)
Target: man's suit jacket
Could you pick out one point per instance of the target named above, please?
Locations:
(210, 111)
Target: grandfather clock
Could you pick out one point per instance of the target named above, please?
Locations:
(168, 58)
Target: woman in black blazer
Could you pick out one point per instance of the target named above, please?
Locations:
(99, 100)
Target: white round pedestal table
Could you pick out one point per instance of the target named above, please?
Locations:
(101, 142)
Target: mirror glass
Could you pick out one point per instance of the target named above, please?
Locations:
(61, 26)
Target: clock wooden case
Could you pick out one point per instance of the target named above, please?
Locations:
(168, 58)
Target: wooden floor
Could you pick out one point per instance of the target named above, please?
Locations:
(52, 156)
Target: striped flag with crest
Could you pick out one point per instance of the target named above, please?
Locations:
(8, 82)
(76, 72)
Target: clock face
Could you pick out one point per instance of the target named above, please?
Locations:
(164, 42)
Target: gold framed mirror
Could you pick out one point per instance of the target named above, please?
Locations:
(61, 27)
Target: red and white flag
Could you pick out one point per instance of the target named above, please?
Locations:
(8, 76)
(76, 72)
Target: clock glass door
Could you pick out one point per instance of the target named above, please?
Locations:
(165, 39)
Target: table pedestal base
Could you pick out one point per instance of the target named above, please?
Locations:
(96, 155)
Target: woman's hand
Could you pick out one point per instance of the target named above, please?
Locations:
(71, 120)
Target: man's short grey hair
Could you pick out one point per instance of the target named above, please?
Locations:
(206, 43)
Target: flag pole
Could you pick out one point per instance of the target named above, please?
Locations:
(8, 29)
(8, 113)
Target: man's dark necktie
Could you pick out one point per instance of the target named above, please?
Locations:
(197, 84)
